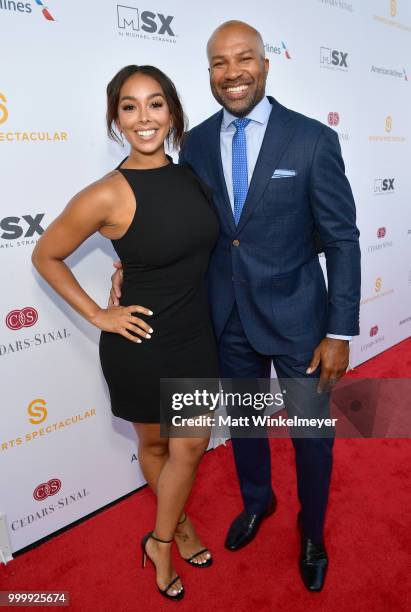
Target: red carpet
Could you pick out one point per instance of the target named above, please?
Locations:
(368, 537)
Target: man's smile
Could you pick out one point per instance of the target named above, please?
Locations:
(236, 92)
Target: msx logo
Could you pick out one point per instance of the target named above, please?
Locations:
(131, 18)
(332, 57)
(12, 230)
(383, 185)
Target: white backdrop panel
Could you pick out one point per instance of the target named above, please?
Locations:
(57, 429)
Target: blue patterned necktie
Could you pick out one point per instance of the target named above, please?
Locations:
(239, 166)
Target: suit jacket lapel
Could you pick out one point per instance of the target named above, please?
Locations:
(279, 131)
(221, 197)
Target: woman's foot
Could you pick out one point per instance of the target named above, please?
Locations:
(160, 555)
(189, 545)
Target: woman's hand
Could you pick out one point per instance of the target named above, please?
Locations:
(122, 320)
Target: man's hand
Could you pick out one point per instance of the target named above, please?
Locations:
(116, 282)
(333, 355)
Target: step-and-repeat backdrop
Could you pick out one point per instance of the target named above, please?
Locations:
(346, 63)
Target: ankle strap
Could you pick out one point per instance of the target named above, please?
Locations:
(159, 539)
(182, 520)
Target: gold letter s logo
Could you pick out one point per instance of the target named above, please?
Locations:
(38, 412)
(3, 110)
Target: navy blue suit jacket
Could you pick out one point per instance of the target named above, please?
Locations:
(272, 269)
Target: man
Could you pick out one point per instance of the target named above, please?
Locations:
(278, 178)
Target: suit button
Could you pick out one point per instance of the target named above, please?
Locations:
(236, 243)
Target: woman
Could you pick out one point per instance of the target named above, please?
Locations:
(162, 226)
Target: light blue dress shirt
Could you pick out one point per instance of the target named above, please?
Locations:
(255, 131)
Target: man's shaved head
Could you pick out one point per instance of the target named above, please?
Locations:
(238, 66)
(239, 26)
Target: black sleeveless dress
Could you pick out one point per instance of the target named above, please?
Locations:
(164, 254)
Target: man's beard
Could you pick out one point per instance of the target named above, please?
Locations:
(258, 96)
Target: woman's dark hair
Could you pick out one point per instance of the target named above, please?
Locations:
(170, 93)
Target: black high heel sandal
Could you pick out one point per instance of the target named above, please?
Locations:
(190, 560)
(163, 592)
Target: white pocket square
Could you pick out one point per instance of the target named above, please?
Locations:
(280, 173)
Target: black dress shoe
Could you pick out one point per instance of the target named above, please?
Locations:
(313, 562)
(245, 527)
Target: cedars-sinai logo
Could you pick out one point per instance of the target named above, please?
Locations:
(46, 489)
(26, 317)
(333, 119)
(381, 244)
(374, 330)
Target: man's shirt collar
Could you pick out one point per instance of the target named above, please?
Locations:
(260, 113)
